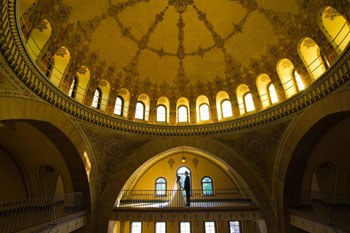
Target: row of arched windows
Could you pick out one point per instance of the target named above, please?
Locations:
(206, 184)
(334, 26)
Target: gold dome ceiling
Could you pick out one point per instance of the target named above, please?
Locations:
(177, 42)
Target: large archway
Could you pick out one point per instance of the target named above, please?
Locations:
(302, 137)
(200, 145)
(64, 136)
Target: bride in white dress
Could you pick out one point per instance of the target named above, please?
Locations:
(177, 199)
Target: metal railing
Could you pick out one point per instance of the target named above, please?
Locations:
(22, 214)
(177, 199)
(332, 206)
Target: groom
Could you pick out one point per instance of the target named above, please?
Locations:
(187, 189)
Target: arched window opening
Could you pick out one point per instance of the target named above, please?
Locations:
(183, 114)
(73, 88)
(160, 186)
(96, 102)
(181, 172)
(226, 109)
(161, 113)
(235, 227)
(310, 53)
(248, 102)
(204, 112)
(285, 70)
(140, 111)
(298, 81)
(272, 94)
(118, 107)
(335, 27)
(207, 186)
(324, 178)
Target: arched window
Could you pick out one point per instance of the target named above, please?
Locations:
(226, 109)
(298, 81)
(272, 93)
(96, 102)
(204, 112)
(160, 186)
(248, 102)
(207, 186)
(73, 88)
(183, 114)
(140, 111)
(181, 172)
(118, 107)
(161, 113)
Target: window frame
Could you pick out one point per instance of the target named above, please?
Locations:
(245, 104)
(208, 222)
(212, 187)
(222, 109)
(200, 112)
(178, 114)
(74, 88)
(98, 100)
(135, 222)
(155, 226)
(296, 81)
(155, 187)
(165, 117)
(185, 222)
(239, 224)
(269, 93)
(144, 110)
(122, 107)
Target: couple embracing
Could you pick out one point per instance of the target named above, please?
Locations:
(177, 199)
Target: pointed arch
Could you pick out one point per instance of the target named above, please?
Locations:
(335, 27)
(310, 54)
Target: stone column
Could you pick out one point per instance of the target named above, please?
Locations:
(256, 98)
(302, 71)
(111, 101)
(193, 112)
(281, 95)
(213, 110)
(132, 107)
(172, 120)
(153, 111)
(90, 91)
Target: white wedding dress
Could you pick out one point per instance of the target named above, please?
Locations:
(177, 199)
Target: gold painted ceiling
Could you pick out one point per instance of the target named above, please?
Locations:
(179, 43)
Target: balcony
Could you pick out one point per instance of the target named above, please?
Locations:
(38, 213)
(328, 209)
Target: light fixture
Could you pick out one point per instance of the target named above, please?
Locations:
(183, 155)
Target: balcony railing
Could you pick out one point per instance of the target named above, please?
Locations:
(19, 215)
(331, 206)
(169, 199)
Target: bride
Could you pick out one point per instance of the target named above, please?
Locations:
(177, 199)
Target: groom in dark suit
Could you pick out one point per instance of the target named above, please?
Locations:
(187, 189)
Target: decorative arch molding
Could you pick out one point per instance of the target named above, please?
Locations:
(335, 103)
(60, 130)
(210, 147)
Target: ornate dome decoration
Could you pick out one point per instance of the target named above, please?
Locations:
(258, 53)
